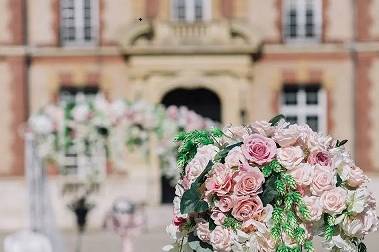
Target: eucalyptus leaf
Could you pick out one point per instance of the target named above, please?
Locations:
(274, 121)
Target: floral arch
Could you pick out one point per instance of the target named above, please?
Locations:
(81, 137)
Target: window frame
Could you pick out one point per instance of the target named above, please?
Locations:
(300, 6)
(190, 11)
(301, 109)
(79, 24)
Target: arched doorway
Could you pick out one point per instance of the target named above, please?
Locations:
(201, 100)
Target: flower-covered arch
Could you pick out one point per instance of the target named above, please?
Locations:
(87, 133)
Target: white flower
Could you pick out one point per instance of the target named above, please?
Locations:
(235, 158)
(339, 242)
(41, 124)
(263, 128)
(290, 157)
(81, 112)
(358, 199)
(286, 136)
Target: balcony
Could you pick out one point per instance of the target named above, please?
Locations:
(164, 37)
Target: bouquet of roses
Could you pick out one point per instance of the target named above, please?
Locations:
(269, 186)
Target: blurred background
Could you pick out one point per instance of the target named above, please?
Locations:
(234, 61)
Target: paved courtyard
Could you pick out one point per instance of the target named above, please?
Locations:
(153, 238)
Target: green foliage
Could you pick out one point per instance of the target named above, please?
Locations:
(197, 245)
(192, 140)
(308, 246)
(220, 156)
(281, 191)
(329, 227)
(191, 199)
(341, 143)
(362, 247)
(274, 121)
(232, 223)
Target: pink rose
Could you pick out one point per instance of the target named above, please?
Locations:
(172, 112)
(235, 158)
(221, 239)
(287, 136)
(314, 206)
(249, 183)
(225, 203)
(356, 177)
(220, 182)
(320, 157)
(202, 231)
(334, 200)
(258, 149)
(263, 127)
(290, 157)
(247, 207)
(303, 174)
(323, 180)
(218, 216)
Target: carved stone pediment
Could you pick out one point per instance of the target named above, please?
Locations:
(165, 37)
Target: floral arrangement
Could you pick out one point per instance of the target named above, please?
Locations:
(269, 186)
(97, 130)
(177, 119)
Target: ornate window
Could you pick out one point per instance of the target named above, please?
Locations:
(79, 22)
(191, 10)
(302, 20)
(305, 104)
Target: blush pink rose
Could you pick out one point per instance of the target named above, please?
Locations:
(287, 136)
(356, 177)
(218, 216)
(247, 207)
(320, 157)
(303, 174)
(323, 180)
(249, 182)
(263, 128)
(225, 203)
(221, 239)
(202, 231)
(258, 149)
(236, 132)
(290, 157)
(314, 206)
(220, 181)
(235, 158)
(334, 200)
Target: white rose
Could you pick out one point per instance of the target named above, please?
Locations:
(237, 132)
(197, 165)
(235, 158)
(287, 136)
(290, 157)
(263, 128)
(221, 239)
(358, 199)
(361, 224)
